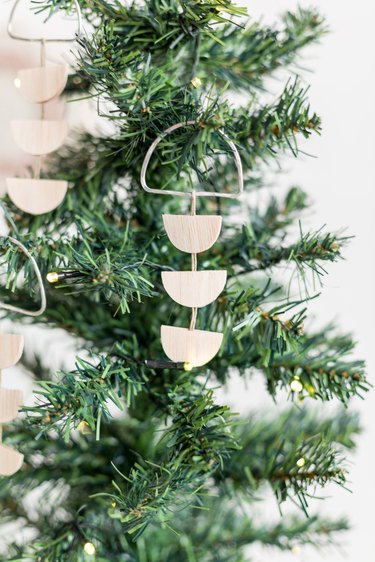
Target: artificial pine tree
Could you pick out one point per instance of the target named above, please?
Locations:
(172, 474)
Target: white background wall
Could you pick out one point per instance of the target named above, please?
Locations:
(341, 182)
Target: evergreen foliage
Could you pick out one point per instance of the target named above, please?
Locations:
(172, 474)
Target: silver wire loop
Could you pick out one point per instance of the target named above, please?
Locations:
(43, 299)
(159, 138)
(41, 39)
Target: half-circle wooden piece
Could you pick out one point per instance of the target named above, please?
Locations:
(11, 347)
(197, 347)
(36, 196)
(192, 234)
(10, 401)
(194, 288)
(10, 460)
(39, 137)
(43, 83)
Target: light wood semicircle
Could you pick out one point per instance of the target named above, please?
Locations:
(194, 288)
(10, 401)
(39, 137)
(42, 83)
(10, 460)
(11, 348)
(36, 196)
(196, 347)
(192, 233)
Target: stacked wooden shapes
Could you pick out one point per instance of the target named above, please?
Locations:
(195, 289)
(192, 234)
(39, 137)
(11, 347)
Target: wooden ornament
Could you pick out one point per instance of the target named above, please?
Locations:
(11, 348)
(194, 288)
(36, 196)
(43, 83)
(39, 137)
(196, 347)
(10, 460)
(10, 401)
(192, 233)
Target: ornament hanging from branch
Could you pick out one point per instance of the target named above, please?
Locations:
(11, 348)
(194, 289)
(39, 137)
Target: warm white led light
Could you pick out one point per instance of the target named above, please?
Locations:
(89, 548)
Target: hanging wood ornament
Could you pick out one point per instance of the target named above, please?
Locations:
(194, 289)
(11, 348)
(39, 137)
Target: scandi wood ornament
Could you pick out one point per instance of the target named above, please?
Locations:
(39, 137)
(11, 348)
(195, 289)
(36, 196)
(192, 234)
(43, 83)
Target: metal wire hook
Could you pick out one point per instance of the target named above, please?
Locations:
(41, 39)
(159, 138)
(43, 299)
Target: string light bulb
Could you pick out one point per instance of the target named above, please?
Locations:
(296, 385)
(52, 277)
(84, 428)
(188, 366)
(89, 548)
(56, 276)
(196, 82)
(301, 462)
(17, 82)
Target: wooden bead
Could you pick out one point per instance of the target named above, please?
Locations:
(36, 196)
(43, 83)
(192, 234)
(196, 347)
(39, 137)
(10, 460)
(194, 288)
(11, 348)
(10, 401)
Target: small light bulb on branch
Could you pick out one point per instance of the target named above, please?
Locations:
(56, 276)
(301, 462)
(196, 82)
(89, 548)
(52, 277)
(296, 385)
(84, 428)
(188, 366)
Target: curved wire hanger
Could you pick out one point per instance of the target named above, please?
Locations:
(160, 137)
(42, 39)
(43, 300)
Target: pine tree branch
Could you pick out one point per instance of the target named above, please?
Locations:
(297, 462)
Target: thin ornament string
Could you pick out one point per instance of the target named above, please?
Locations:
(193, 212)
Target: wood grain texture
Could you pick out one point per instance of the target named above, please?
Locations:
(197, 347)
(194, 288)
(39, 137)
(43, 83)
(10, 460)
(192, 234)
(10, 401)
(11, 348)
(36, 196)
